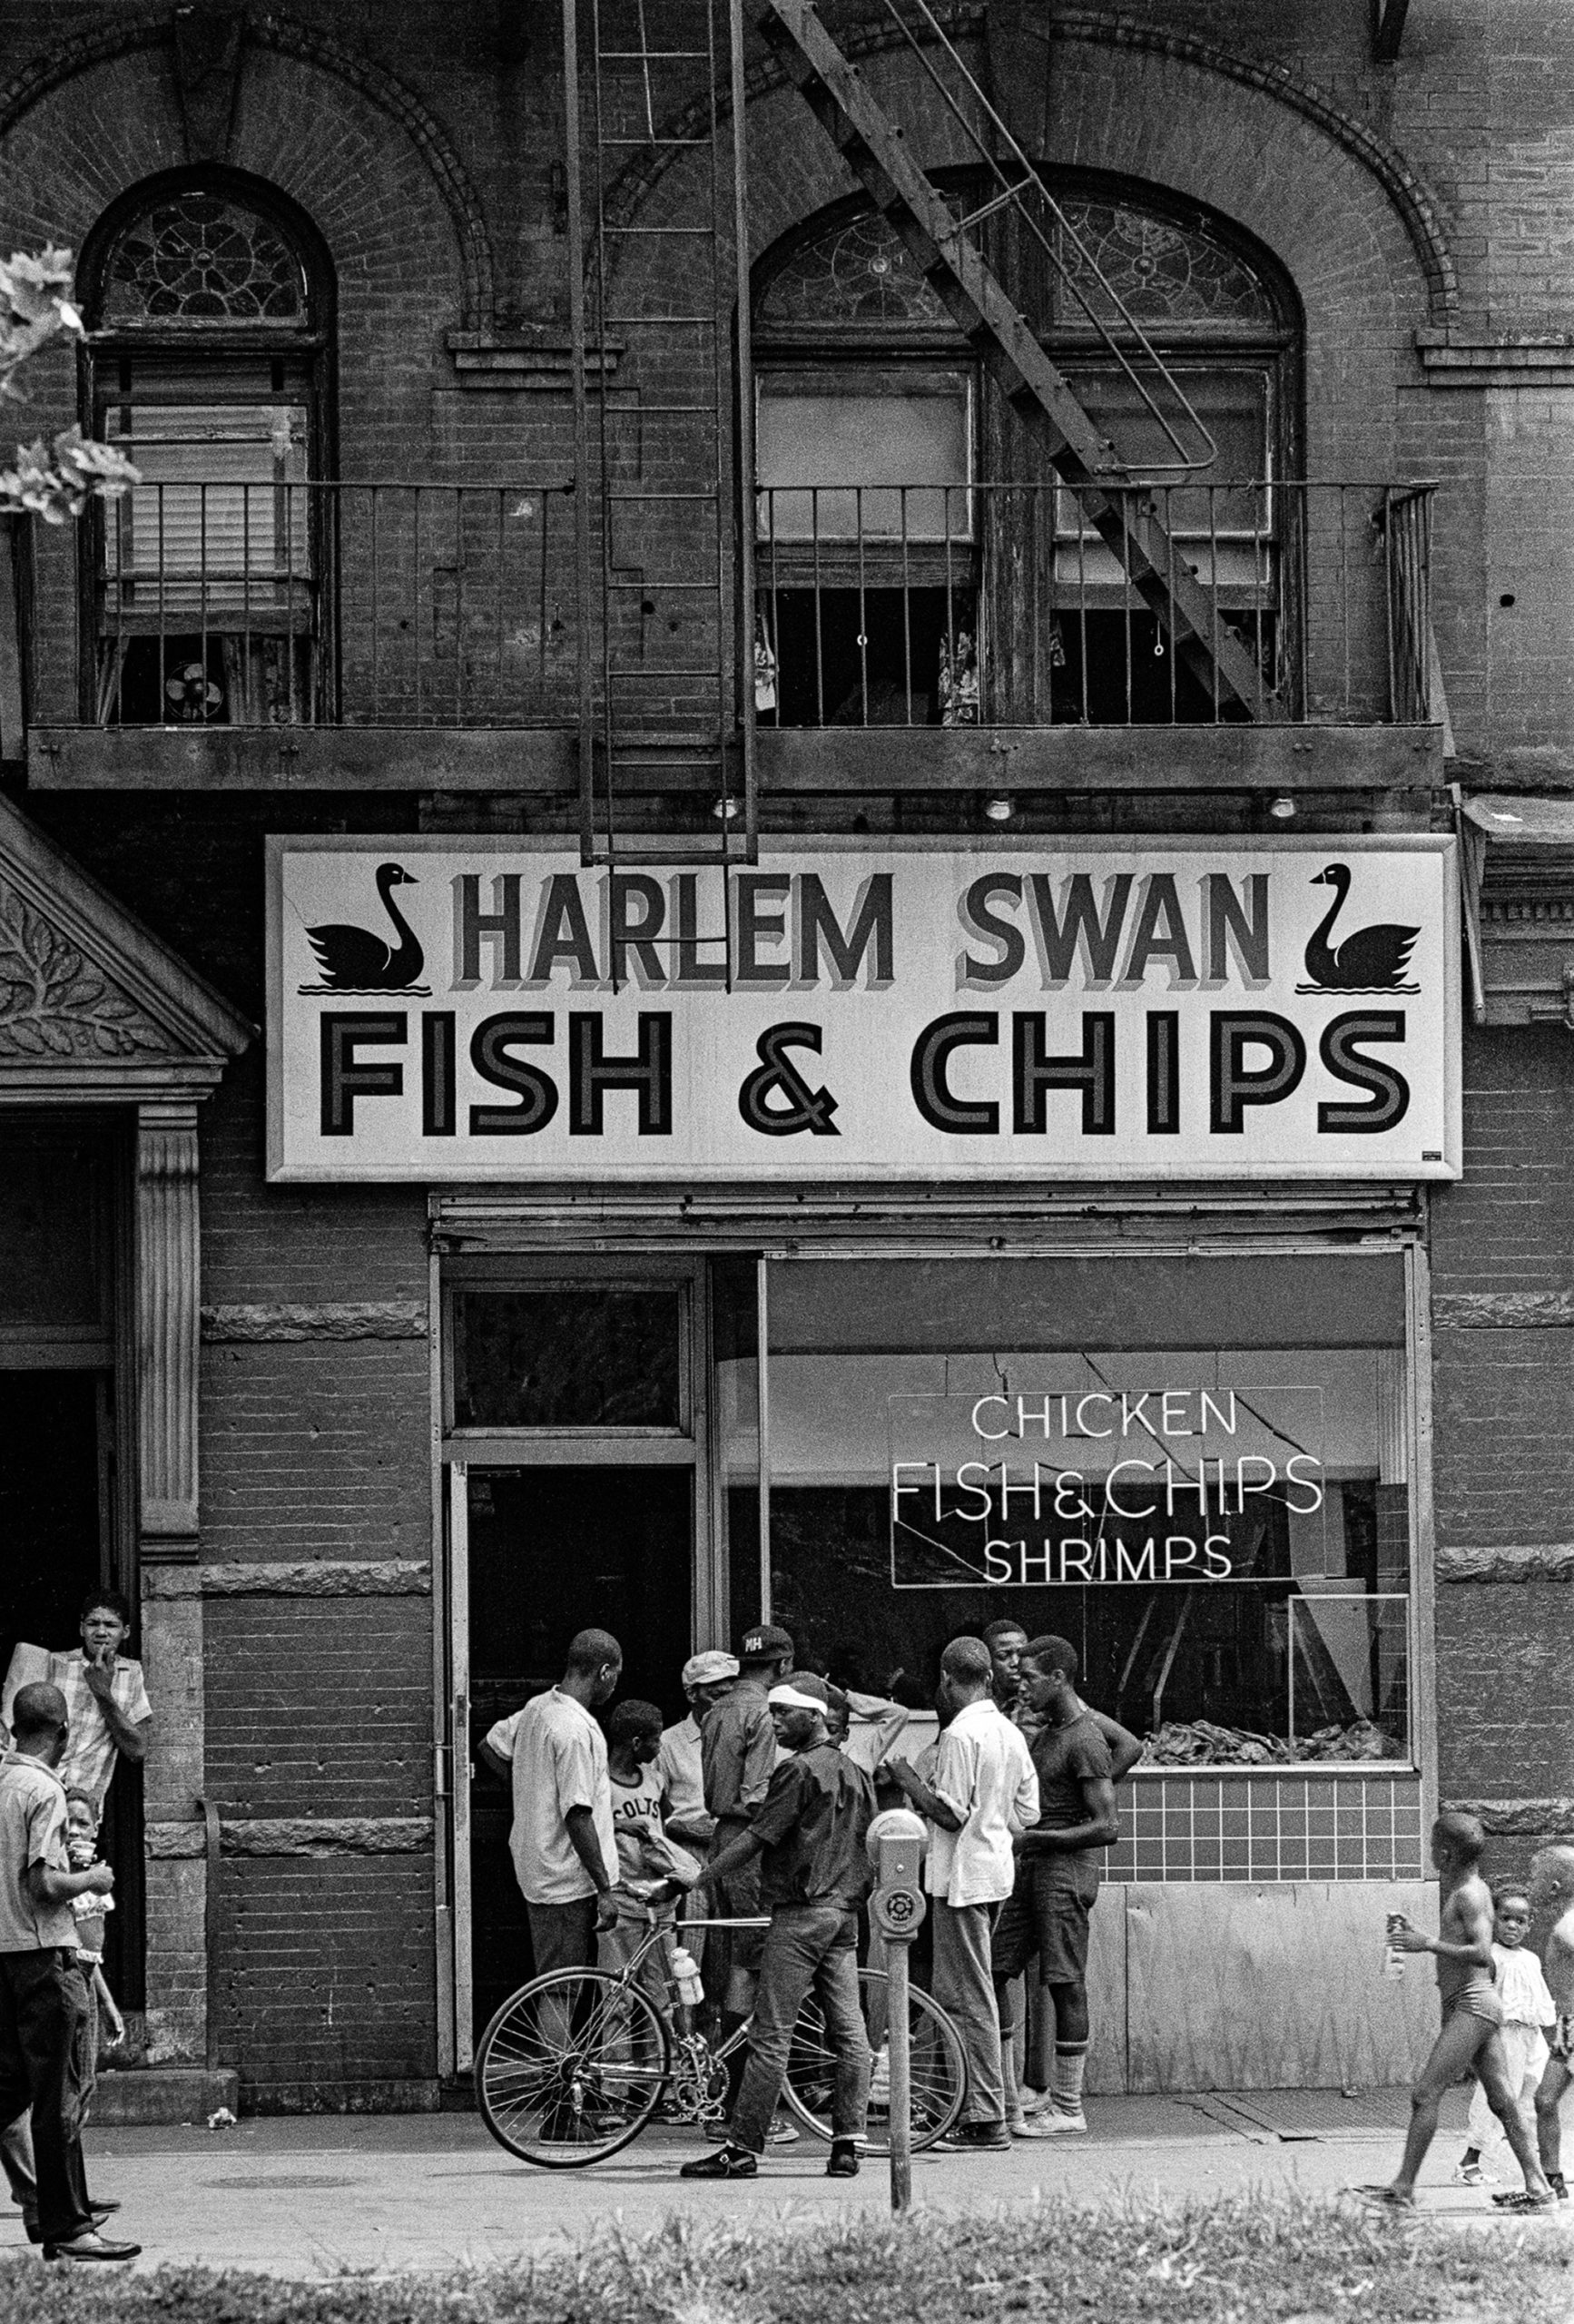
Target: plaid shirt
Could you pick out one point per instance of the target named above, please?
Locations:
(91, 1754)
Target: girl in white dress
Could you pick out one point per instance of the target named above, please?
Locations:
(1529, 2014)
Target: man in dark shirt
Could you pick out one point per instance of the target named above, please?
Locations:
(808, 1835)
(1057, 1874)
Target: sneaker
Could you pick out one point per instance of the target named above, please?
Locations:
(1019, 2127)
(1052, 2125)
(782, 2133)
(728, 2162)
(979, 2138)
(1036, 2102)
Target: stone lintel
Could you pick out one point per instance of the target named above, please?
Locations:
(1531, 1819)
(329, 1319)
(280, 1836)
(1503, 1310)
(1532, 1562)
(306, 1578)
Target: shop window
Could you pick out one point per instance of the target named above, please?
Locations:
(918, 562)
(586, 1356)
(209, 317)
(1196, 1469)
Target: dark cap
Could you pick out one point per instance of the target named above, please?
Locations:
(765, 1643)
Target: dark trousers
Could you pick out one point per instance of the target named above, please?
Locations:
(16, 2162)
(562, 1937)
(809, 1948)
(43, 2005)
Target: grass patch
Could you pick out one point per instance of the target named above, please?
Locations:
(1249, 2259)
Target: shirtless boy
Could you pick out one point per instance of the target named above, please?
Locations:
(1552, 1898)
(1470, 2041)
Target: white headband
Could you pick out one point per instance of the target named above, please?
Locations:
(788, 1698)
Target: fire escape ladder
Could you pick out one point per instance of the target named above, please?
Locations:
(946, 248)
(665, 566)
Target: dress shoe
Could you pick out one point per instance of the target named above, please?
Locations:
(843, 2162)
(728, 2162)
(979, 2138)
(91, 2245)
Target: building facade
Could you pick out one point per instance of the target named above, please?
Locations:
(808, 853)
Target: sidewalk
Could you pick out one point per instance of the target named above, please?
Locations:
(320, 2195)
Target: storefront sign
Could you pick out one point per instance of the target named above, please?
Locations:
(1064, 1487)
(444, 1010)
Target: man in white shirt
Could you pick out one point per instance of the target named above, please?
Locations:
(105, 1699)
(984, 1791)
(563, 1843)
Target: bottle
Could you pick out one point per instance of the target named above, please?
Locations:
(687, 1970)
(1392, 1958)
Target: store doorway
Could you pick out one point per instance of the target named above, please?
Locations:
(549, 1550)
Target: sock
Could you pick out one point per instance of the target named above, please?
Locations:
(1066, 2076)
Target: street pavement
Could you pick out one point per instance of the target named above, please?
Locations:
(318, 2196)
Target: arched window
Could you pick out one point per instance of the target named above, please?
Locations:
(207, 306)
(918, 562)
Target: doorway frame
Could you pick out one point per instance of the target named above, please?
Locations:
(461, 1451)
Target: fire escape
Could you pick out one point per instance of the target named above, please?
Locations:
(660, 318)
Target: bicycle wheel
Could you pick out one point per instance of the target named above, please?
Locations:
(939, 2067)
(571, 2068)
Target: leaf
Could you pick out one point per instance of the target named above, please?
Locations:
(27, 1036)
(56, 1037)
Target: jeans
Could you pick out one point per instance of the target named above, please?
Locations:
(964, 1987)
(43, 2004)
(809, 1948)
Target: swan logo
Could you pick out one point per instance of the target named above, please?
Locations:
(362, 960)
(1369, 960)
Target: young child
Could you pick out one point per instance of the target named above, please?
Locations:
(645, 1852)
(1529, 2016)
(1552, 1901)
(91, 1910)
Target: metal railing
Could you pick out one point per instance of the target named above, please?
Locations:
(420, 606)
(999, 603)
(285, 604)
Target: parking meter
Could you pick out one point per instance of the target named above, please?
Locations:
(897, 1841)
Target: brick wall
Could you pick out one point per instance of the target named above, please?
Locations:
(1504, 1414)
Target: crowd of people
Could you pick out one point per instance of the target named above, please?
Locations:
(756, 1807)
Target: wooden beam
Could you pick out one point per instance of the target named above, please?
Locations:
(878, 760)
(1025, 761)
(538, 760)
(1388, 29)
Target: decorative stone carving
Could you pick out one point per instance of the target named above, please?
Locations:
(53, 1002)
(329, 1319)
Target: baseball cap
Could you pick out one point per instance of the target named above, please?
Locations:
(709, 1668)
(805, 1692)
(763, 1643)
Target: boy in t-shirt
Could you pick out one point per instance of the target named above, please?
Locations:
(644, 1853)
(1529, 2015)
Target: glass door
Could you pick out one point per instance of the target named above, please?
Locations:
(576, 1413)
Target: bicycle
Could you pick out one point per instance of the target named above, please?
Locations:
(575, 2064)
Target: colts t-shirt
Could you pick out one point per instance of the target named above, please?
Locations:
(637, 1817)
